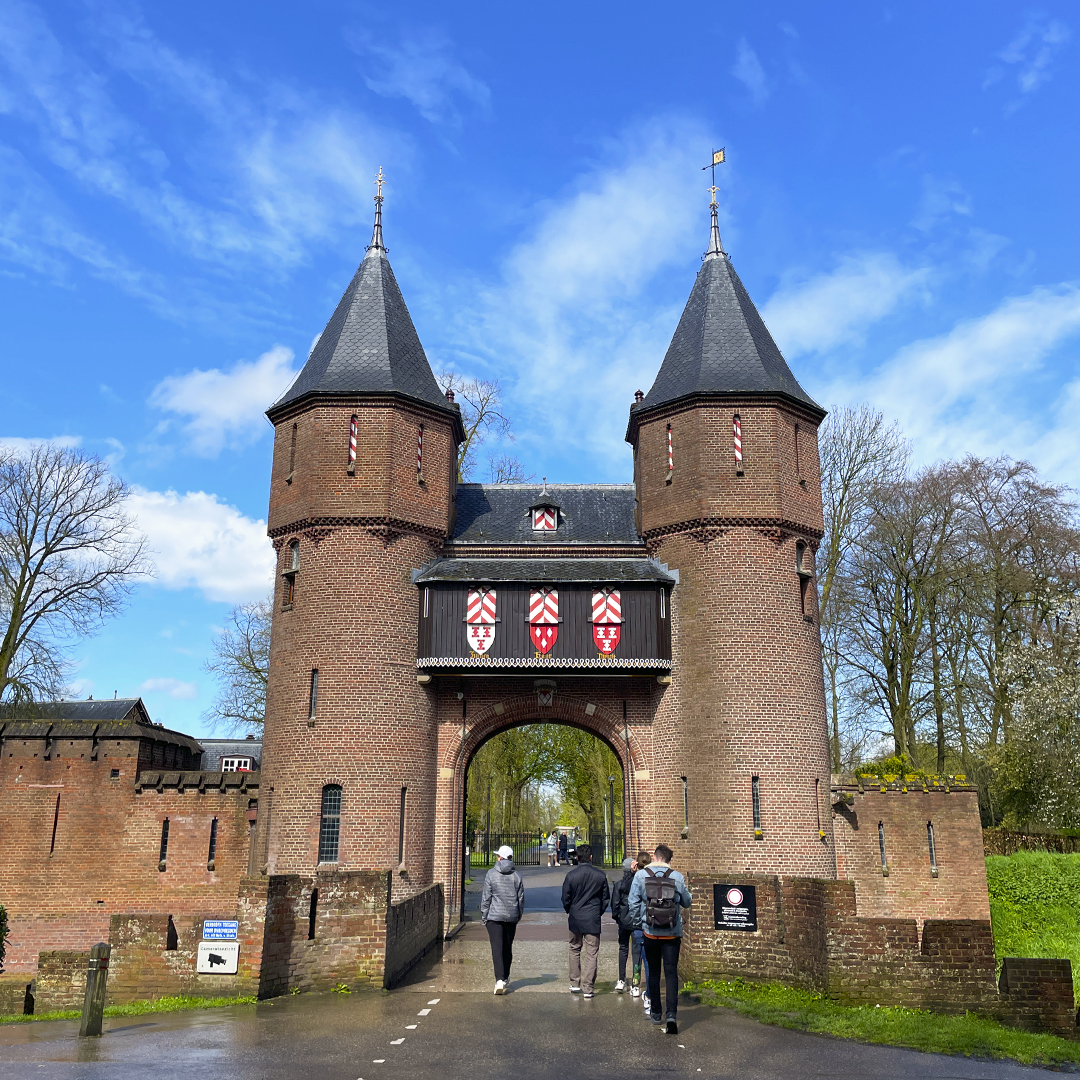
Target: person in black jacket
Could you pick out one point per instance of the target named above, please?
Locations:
(585, 898)
(620, 912)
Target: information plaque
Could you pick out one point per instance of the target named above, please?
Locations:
(734, 907)
(217, 957)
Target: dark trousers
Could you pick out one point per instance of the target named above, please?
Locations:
(501, 936)
(664, 950)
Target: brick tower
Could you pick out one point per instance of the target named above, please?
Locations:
(362, 491)
(728, 488)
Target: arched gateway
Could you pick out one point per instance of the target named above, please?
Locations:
(675, 618)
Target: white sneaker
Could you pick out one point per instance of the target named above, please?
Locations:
(620, 987)
(500, 987)
(645, 1001)
(575, 989)
(635, 991)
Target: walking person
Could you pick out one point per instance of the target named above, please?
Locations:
(641, 965)
(620, 912)
(552, 848)
(502, 903)
(657, 898)
(564, 856)
(585, 897)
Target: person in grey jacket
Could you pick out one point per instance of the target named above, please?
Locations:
(502, 904)
(662, 943)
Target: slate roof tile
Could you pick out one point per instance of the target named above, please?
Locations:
(546, 570)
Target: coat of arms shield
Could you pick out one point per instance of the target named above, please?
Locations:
(480, 620)
(544, 618)
(606, 620)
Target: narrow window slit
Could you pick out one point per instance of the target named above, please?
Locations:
(881, 848)
(670, 456)
(163, 849)
(292, 456)
(817, 806)
(172, 938)
(313, 694)
(755, 796)
(55, 823)
(420, 454)
(401, 829)
(211, 854)
(312, 914)
(685, 808)
(933, 848)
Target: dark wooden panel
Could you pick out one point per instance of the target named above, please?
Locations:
(644, 634)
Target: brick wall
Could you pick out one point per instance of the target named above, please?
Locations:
(412, 928)
(61, 891)
(349, 943)
(1038, 994)
(910, 890)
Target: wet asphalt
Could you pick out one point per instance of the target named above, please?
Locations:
(445, 1024)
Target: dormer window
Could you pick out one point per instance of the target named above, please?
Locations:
(545, 518)
(545, 511)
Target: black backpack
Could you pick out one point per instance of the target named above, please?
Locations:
(661, 901)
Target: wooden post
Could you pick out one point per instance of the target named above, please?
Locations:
(97, 975)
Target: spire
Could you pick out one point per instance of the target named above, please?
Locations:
(376, 244)
(370, 345)
(715, 247)
(721, 345)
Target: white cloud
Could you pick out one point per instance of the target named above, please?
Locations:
(226, 407)
(973, 389)
(257, 174)
(175, 688)
(424, 70)
(200, 542)
(566, 329)
(748, 70)
(24, 446)
(1031, 53)
(833, 308)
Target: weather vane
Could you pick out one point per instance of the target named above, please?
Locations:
(718, 158)
(380, 180)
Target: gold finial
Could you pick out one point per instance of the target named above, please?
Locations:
(715, 247)
(379, 181)
(718, 158)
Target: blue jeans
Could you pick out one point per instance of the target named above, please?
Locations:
(641, 960)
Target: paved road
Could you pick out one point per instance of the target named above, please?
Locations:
(464, 1036)
(445, 1024)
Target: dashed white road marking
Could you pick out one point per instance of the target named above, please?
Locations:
(435, 1001)
(410, 1027)
(423, 1012)
(397, 1042)
(378, 1061)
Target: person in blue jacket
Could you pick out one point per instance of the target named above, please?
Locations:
(662, 943)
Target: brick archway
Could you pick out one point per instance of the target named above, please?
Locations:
(460, 743)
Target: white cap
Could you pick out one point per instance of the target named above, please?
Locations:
(505, 852)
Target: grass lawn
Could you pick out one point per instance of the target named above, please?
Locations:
(137, 1008)
(1035, 906)
(803, 1010)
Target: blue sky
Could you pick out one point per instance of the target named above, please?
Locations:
(185, 191)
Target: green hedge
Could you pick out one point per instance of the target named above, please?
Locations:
(1035, 906)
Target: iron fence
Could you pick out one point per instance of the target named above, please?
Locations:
(530, 848)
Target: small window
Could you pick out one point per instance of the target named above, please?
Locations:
(420, 453)
(803, 567)
(114, 774)
(545, 519)
(312, 914)
(755, 801)
(172, 938)
(798, 462)
(288, 593)
(933, 848)
(236, 764)
(881, 848)
(663, 603)
(294, 555)
(55, 823)
(401, 829)
(163, 848)
(670, 454)
(313, 694)
(211, 853)
(292, 456)
(426, 591)
(330, 824)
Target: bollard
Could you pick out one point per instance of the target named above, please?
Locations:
(97, 975)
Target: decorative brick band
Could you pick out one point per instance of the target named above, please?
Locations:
(397, 525)
(541, 662)
(700, 525)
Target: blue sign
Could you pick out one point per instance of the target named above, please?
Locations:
(219, 929)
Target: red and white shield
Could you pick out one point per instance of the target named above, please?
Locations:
(480, 620)
(544, 618)
(606, 619)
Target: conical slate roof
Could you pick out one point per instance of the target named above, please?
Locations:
(370, 345)
(721, 345)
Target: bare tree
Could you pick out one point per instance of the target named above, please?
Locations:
(241, 663)
(859, 454)
(482, 416)
(507, 470)
(69, 555)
